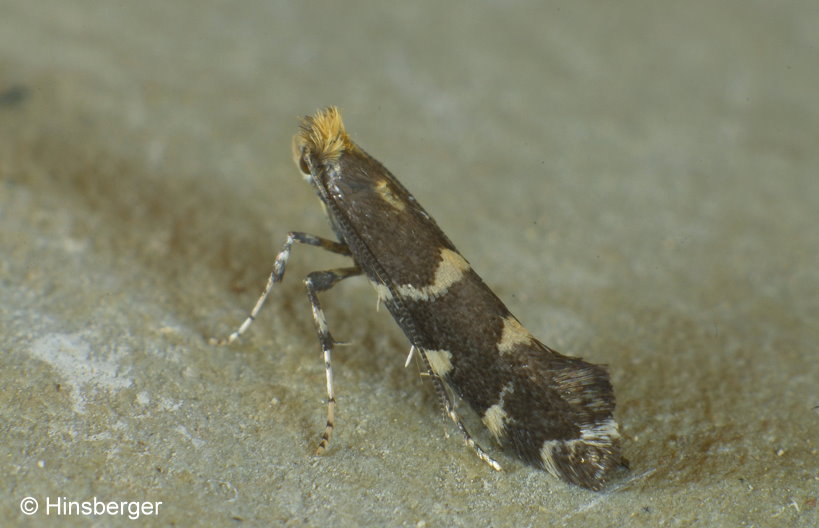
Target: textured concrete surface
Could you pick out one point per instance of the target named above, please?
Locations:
(638, 182)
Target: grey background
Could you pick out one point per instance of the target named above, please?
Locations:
(637, 180)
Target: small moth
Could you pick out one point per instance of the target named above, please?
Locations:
(553, 411)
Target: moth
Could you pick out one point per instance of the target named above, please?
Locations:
(553, 411)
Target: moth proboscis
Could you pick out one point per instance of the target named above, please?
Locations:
(553, 411)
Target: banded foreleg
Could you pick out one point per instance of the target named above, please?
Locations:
(315, 282)
(277, 275)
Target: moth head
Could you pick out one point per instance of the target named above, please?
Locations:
(321, 140)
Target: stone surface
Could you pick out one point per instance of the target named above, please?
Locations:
(638, 183)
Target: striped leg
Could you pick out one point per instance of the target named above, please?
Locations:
(449, 408)
(278, 274)
(319, 281)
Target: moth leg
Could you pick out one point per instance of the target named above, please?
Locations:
(449, 408)
(278, 274)
(315, 282)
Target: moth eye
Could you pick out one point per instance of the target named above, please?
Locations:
(303, 165)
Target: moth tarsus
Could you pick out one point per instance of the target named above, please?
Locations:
(551, 410)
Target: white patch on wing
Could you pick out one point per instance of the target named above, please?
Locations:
(495, 416)
(382, 188)
(513, 335)
(600, 434)
(547, 456)
(450, 270)
(440, 361)
(383, 292)
(495, 419)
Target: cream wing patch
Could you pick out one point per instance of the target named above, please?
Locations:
(386, 194)
(450, 270)
(600, 434)
(494, 419)
(513, 334)
(440, 361)
(495, 416)
(383, 292)
(547, 456)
